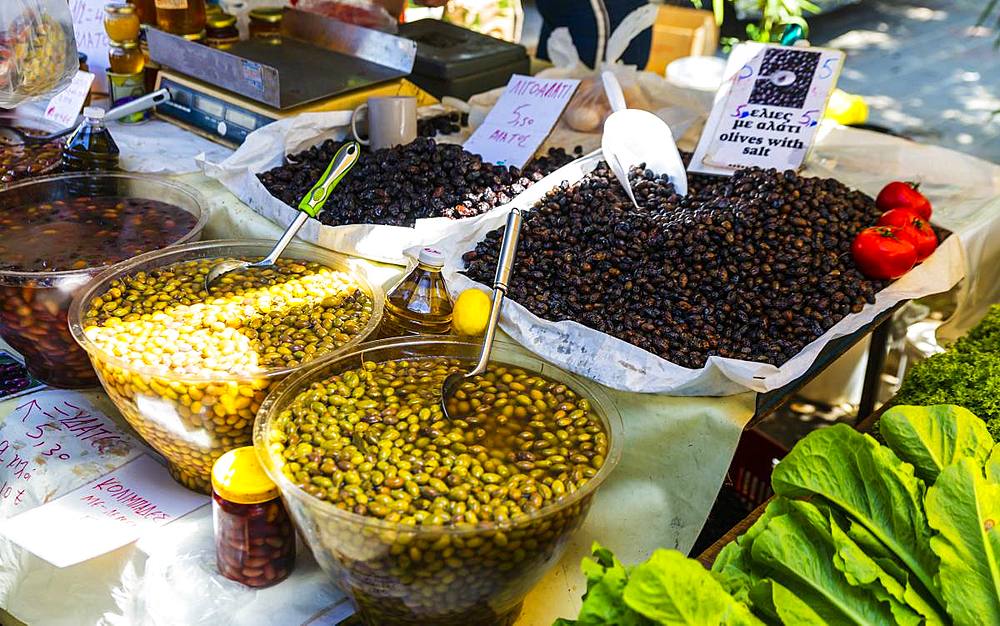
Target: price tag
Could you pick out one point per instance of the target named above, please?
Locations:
(49, 436)
(91, 39)
(64, 107)
(521, 119)
(103, 515)
(768, 109)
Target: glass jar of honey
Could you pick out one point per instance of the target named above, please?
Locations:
(265, 23)
(221, 31)
(254, 537)
(125, 57)
(180, 17)
(146, 10)
(121, 22)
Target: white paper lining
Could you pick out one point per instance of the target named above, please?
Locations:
(623, 366)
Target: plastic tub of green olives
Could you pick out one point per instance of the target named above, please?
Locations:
(420, 519)
(194, 414)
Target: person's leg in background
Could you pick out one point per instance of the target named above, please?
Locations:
(590, 23)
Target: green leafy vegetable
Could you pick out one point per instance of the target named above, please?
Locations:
(968, 375)
(779, 605)
(932, 437)
(870, 484)
(797, 551)
(964, 508)
(889, 584)
(603, 602)
(733, 567)
(854, 536)
(667, 589)
(672, 589)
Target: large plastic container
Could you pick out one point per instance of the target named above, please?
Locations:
(180, 415)
(19, 161)
(34, 305)
(441, 575)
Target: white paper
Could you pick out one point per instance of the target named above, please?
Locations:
(47, 438)
(748, 128)
(621, 365)
(88, 25)
(103, 515)
(266, 148)
(521, 119)
(64, 107)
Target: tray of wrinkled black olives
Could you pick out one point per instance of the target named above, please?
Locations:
(736, 286)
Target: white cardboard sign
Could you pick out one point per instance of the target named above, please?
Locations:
(768, 109)
(105, 514)
(521, 119)
(64, 107)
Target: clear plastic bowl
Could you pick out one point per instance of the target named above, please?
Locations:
(34, 305)
(193, 420)
(440, 575)
(20, 161)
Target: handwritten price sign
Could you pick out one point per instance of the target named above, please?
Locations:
(50, 438)
(104, 514)
(521, 119)
(768, 110)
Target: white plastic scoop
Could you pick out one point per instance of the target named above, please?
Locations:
(633, 137)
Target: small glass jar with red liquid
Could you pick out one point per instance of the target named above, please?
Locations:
(254, 537)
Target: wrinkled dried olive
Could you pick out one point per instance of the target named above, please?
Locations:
(399, 185)
(751, 267)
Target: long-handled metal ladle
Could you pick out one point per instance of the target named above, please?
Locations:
(310, 206)
(14, 135)
(505, 265)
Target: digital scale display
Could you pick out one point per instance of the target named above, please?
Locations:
(223, 118)
(240, 118)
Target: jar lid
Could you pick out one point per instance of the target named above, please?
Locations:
(221, 20)
(119, 8)
(271, 15)
(94, 113)
(131, 44)
(195, 36)
(238, 476)
(432, 257)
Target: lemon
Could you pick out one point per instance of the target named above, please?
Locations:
(845, 108)
(471, 313)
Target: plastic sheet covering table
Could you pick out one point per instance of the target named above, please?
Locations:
(677, 449)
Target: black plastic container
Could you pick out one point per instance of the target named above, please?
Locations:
(455, 61)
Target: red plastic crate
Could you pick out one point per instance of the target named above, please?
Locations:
(750, 472)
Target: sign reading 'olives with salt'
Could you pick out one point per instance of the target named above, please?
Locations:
(768, 109)
(521, 119)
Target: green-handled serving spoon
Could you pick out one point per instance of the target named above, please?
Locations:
(310, 206)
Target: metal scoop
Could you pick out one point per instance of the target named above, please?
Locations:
(505, 265)
(310, 206)
(16, 136)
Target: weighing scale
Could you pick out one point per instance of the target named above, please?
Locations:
(320, 64)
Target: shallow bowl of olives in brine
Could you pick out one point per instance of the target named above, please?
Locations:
(189, 368)
(427, 519)
(57, 233)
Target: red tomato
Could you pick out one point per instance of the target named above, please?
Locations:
(897, 217)
(880, 253)
(912, 228)
(899, 195)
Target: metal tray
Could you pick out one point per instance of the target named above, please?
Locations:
(318, 58)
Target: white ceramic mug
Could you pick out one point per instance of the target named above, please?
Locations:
(392, 121)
